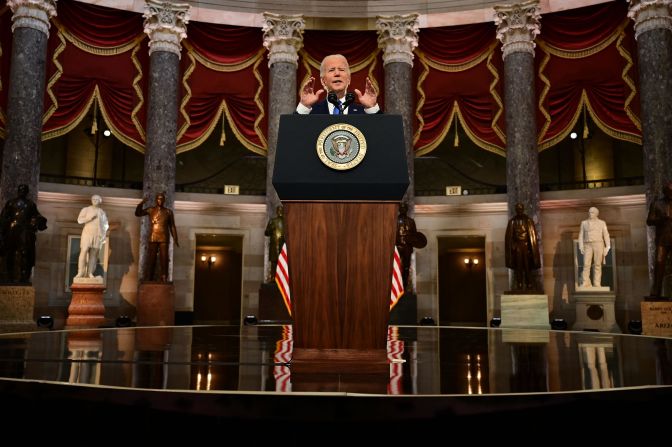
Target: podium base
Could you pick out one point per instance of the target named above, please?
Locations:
(657, 318)
(86, 307)
(156, 304)
(339, 361)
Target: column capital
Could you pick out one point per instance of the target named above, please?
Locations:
(398, 37)
(517, 26)
(166, 25)
(283, 37)
(649, 15)
(33, 14)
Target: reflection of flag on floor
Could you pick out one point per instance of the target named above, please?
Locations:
(282, 278)
(282, 357)
(395, 353)
(397, 284)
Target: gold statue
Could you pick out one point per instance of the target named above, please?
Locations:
(162, 227)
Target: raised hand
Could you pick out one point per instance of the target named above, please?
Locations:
(370, 96)
(308, 95)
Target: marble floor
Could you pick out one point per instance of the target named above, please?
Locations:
(244, 374)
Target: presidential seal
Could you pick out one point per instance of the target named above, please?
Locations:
(341, 146)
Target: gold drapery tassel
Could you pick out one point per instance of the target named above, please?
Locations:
(222, 139)
(585, 124)
(94, 123)
(456, 141)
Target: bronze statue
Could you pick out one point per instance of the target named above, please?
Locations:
(19, 222)
(408, 237)
(660, 216)
(276, 230)
(522, 249)
(162, 226)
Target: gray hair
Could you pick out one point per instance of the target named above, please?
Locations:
(347, 66)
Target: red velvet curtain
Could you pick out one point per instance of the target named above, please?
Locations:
(585, 63)
(225, 72)
(224, 77)
(458, 72)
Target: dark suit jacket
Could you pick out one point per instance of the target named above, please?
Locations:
(323, 108)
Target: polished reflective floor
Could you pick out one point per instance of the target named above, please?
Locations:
(436, 371)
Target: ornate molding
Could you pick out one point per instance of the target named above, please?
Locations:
(649, 15)
(283, 37)
(517, 26)
(398, 37)
(33, 14)
(166, 25)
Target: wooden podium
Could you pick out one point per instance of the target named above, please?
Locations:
(340, 228)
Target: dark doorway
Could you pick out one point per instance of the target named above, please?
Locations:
(462, 284)
(218, 278)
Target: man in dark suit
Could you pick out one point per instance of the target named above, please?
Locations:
(335, 77)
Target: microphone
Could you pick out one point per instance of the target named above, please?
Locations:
(349, 99)
(332, 98)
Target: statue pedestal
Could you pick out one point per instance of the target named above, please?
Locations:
(525, 311)
(16, 306)
(595, 310)
(156, 304)
(86, 307)
(657, 318)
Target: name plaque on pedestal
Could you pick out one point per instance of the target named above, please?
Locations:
(657, 318)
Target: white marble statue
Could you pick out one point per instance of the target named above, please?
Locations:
(94, 233)
(594, 245)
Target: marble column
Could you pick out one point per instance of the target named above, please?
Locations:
(653, 31)
(283, 38)
(398, 36)
(517, 26)
(21, 155)
(166, 25)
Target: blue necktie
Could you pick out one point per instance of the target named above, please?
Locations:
(336, 109)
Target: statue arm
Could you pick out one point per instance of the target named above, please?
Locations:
(84, 216)
(607, 238)
(139, 211)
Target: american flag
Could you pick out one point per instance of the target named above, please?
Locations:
(397, 288)
(282, 279)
